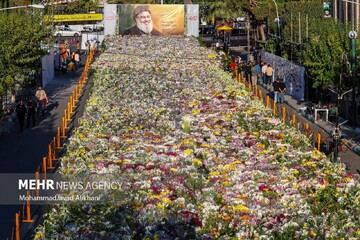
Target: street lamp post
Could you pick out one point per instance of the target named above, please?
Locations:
(352, 36)
(278, 29)
(40, 6)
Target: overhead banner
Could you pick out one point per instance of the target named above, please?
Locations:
(78, 17)
(292, 74)
(150, 19)
(192, 19)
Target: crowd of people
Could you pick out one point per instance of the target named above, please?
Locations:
(27, 109)
(70, 59)
(254, 72)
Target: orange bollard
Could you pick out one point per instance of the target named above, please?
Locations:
(17, 226)
(28, 210)
(37, 178)
(306, 129)
(274, 110)
(58, 138)
(319, 141)
(294, 120)
(283, 114)
(261, 96)
(70, 111)
(53, 147)
(73, 100)
(267, 101)
(44, 167)
(76, 92)
(50, 157)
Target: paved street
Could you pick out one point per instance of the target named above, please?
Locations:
(23, 152)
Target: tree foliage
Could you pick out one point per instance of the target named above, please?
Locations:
(79, 6)
(21, 34)
(316, 42)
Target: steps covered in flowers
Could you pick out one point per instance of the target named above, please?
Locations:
(199, 159)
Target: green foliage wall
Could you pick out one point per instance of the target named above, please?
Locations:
(20, 52)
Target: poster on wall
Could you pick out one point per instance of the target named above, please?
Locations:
(150, 19)
(292, 74)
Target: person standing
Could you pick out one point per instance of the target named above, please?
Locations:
(248, 72)
(269, 74)
(42, 100)
(87, 45)
(30, 112)
(78, 46)
(21, 113)
(77, 59)
(263, 72)
(254, 77)
(282, 88)
(276, 86)
(63, 53)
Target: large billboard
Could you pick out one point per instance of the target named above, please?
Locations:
(154, 19)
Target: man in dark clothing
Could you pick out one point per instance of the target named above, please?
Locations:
(144, 24)
(248, 72)
(282, 88)
(21, 113)
(276, 89)
(30, 112)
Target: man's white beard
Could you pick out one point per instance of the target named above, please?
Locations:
(146, 28)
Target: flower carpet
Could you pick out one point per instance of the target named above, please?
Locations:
(200, 159)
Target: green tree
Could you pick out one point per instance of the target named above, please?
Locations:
(75, 7)
(317, 43)
(21, 34)
(322, 55)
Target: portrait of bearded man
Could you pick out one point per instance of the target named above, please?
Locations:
(144, 23)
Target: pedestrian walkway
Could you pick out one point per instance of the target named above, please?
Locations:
(23, 152)
(350, 153)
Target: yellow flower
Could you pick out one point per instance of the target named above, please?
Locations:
(214, 173)
(227, 183)
(91, 165)
(189, 151)
(187, 142)
(205, 145)
(348, 178)
(241, 208)
(160, 206)
(236, 162)
(249, 112)
(81, 135)
(195, 111)
(358, 232)
(173, 169)
(260, 145)
(228, 167)
(313, 234)
(197, 162)
(316, 154)
(166, 201)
